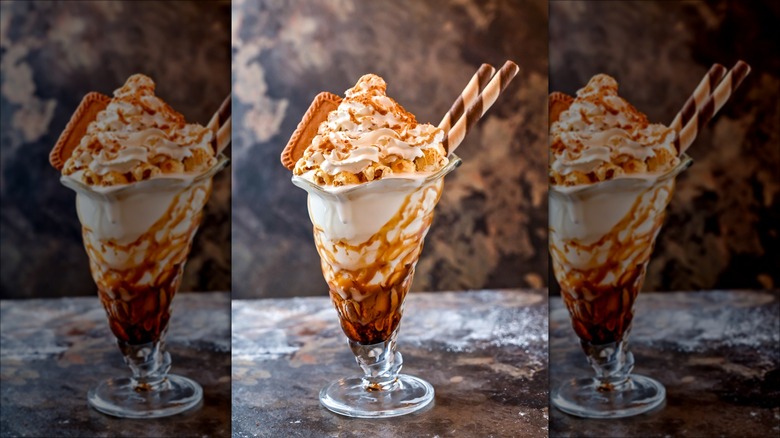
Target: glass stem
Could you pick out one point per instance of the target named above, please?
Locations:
(613, 363)
(149, 364)
(380, 363)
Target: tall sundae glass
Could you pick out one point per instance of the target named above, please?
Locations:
(142, 177)
(612, 175)
(368, 261)
(374, 176)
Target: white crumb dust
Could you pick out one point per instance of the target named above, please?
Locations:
(465, 330)
(697, 328)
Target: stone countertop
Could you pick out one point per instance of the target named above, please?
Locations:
(485, 352)
(53, 350)
(717, 353)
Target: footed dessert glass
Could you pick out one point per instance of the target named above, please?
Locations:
(138, 237)
(369, 238)
(601, 239)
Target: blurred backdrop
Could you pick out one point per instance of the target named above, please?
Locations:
(490, 228)
(722, 225)
(52, 54)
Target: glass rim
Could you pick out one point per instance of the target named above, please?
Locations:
(80, 187)
(685, 162)
(454, 162)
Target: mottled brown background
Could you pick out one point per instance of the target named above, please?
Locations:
(722, 226)
(490, 230)
(52, 54)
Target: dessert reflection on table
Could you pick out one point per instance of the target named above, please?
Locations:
(716, 352)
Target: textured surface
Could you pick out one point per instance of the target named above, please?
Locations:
(53, 350)
(53, 53)
(490, 228)
(484, 352)
(722, 228)
(717, 353)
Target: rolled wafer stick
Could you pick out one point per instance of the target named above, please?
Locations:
(220, 124)
(468, 96)
(711, 105)
(224, 136)
(485, 100)
(702, 92)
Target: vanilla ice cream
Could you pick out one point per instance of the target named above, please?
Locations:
(142, 177)
(612, 176)
(374, 176)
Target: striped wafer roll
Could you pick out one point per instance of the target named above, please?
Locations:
(711, 106)
(702, 92)
(468, 96)
(224, 135)
(220, 124)
(485, 100)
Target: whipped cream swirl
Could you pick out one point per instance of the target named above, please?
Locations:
(369, 130)
(600, 129)
(138, 137)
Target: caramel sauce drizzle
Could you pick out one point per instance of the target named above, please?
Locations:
(602, 310)
(372, 311)
(138, 312)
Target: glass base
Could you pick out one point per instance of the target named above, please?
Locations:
(351, 398)
(119, 397)
(584, 398)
